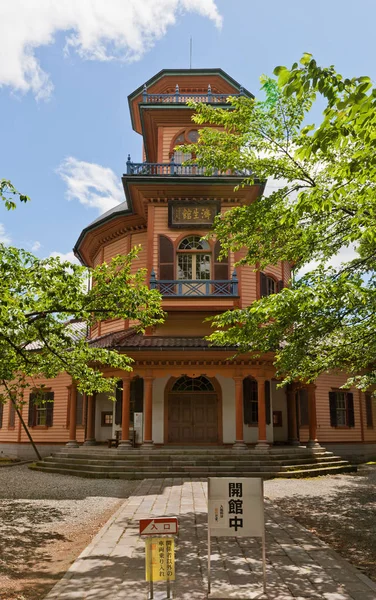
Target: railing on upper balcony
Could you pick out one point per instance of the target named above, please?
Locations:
(173, 168)
(178, 98)
(195, 287)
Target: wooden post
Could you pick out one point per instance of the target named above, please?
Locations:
(239, 418)
(125, 421)
(148, 412)
(90, 425)
(72, 443)
(312, 442)
(291, 412)
(262, 441)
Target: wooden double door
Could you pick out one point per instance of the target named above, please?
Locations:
(192, 418)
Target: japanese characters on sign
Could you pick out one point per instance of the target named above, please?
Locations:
(192, 213)
(236, 507)
(159, 526)
(160, 559)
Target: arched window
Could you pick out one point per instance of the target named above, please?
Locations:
(194, 258)
(196, 384)
(189, 136)
(268, 285)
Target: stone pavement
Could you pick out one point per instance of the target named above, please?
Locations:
(299, 565)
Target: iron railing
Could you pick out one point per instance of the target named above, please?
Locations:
(173, 168)
(178, 98)
(195, 287)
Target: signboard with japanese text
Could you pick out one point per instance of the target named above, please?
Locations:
(236, 507)
(159, 526)
(192, 213)
(160, 559)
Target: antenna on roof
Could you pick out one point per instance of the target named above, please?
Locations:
(190, 52)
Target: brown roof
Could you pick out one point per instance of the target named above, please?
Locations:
(137, 341)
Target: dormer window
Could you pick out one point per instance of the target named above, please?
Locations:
(194, 258)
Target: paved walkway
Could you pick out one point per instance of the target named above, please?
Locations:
(299, 565)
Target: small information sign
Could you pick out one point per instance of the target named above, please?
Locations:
(160, 559)
(159, 526)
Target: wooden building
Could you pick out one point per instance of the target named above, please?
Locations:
(182, 391)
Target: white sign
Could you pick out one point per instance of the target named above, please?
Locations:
(236, 506)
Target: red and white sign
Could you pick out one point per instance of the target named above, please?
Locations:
(159, 526)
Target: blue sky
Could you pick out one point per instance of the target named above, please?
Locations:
(66, 70)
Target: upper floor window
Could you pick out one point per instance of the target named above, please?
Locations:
(269, 286)
(186, 137)
(194, 258)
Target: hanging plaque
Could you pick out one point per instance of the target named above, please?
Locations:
(195, 214)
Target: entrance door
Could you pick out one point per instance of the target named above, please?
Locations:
(192, 418)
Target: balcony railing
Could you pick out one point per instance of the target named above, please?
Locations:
(178, 98)
(195, 287)
(172, 168)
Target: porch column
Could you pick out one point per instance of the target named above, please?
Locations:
(148, 410)
(262, 441)
(90, 423)
(291, 412)
(312, 442)
(125, 441)
(72, 443)
(239, 434)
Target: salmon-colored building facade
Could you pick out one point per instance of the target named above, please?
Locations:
(182, 391)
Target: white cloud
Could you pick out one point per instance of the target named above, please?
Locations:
(36, 246)
(68, 256)
(4, 237)
(102, 30)
(91, 184)
(344, 255)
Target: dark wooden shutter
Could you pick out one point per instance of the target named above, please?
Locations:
(12, 414)
(280, 285)
(263, 286)
(369, 415)
(247, 407)
(79, 408)
(220, 267)
(303, 407)
(1, 414)
(49, 396)
(119, 403)
(166, 258)
(350, 410)
(333, 408)
(267, 402)
(31, 418)
(137, 394)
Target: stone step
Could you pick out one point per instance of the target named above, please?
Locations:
(173, 474)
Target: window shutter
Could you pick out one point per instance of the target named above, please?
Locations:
(247, 412)
(79, 408)
(303, 407)
(350, 410)
(119, 403)
(1, 414)
(267, 402)
(31, 418)
(333, 408)
(12, 414)
(137, 392)
(220, 267)
(369, 415)
(166, 258)
(280, 285)
(263, 287)
(50, 408)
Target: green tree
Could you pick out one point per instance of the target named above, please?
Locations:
(40, 302)
(322, 200)
(8, 193)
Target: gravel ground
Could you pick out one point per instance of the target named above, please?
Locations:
(46, 520)
(340, 509)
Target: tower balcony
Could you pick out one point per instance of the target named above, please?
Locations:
(149, 169)
(196, 288)
(178, 98)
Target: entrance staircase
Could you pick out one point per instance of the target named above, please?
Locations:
(100, 463)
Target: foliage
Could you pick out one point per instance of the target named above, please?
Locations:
(8, 192)
(38, 300)
(322, 199)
